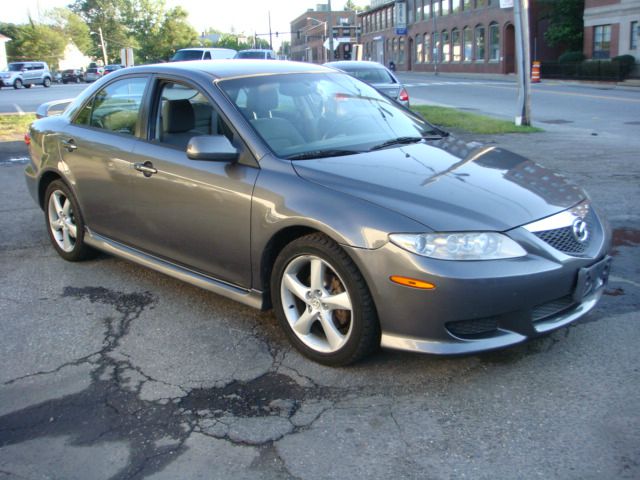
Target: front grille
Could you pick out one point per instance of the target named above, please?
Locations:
(563, 239)
(549, 309)
(473, 328)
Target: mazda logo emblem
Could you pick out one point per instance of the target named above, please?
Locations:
(580, 230)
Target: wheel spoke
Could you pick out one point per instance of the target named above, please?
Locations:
(334, 337)
(295, 286)
(317, 274)
(56, 202)
(56, 223)
(303, 324)
(73, 230)
(67, 245)
(66, 207)
(340, 301)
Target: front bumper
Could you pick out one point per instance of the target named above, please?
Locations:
(480, 305)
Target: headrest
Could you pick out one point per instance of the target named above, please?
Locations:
(262, 99)
(177, 116)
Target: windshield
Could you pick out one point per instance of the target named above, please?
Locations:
(322, 114)
(16, 67)
(182, 55)
(259, 55)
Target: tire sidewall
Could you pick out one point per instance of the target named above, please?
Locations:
(80, 250)
(299, 248)
(18, 84)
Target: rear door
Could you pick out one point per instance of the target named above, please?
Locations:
(96, 148)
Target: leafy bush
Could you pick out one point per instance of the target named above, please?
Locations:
(626, 62)
(600, 70)
(571, 57)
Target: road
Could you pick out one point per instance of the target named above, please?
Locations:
(28, 99)
(596, 108)
(112, 371)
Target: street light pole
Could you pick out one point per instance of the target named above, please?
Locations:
(523, 57)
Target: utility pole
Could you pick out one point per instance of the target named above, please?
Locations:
(104, 47)
(270, 42)
(523, 60)
(330, 28)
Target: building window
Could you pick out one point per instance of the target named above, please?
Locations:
(455, 6)
(446, 53)
(467, 4)
(427, 48)
(436, 8)
(445, 7)
(494, 42)
(601, 41)
(436, 47)
(419, 10)
(635, 33)
(401, 50)
(468, 44)
(456, 45)
(410, 11)
(418, 47)
(427, 9)
(480, 42)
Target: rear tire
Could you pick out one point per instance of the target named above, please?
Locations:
(65, 224)
(46, 82)
(28, 85)
(323, 303)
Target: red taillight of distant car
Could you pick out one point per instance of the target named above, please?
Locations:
(404, 96)
(27, 138)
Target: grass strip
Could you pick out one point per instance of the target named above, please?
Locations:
(469, 122)
(13, 126)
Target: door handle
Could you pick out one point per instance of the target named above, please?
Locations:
(70, 145)
(146, 168)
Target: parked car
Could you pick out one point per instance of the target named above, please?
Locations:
(26, 74)
(377, 75)
(301, 188)
(111, 68)
(202, 53)
(73, 75)
(256, 54)
(93, 73)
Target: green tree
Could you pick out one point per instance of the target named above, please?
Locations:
(565, 23)
(34, 41)
(350, 6)
(285, 48)
(73, 27)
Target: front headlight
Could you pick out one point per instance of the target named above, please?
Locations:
(459, 246)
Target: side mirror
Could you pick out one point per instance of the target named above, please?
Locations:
(212, 147)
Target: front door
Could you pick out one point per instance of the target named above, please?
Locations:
(192, 212)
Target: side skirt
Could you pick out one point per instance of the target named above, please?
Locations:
(252, 298)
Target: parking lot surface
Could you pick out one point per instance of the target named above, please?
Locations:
(112, 371)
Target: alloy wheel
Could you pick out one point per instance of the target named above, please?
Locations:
(62, 221)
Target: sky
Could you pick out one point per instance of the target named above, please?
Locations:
(246, 16)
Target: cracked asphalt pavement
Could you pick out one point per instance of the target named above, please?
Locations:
(112, 371)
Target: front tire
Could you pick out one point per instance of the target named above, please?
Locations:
(17, 84)
(323, 303)
(65, 224)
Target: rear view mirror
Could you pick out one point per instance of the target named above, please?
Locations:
(212, 147)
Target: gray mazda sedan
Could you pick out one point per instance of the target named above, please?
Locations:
(300, 188)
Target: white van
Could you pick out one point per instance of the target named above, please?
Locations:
(201, 53)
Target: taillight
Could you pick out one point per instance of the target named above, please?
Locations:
(27, 138)
(404, 96)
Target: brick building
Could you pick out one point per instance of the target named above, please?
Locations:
(451, 35)
(310, 30)
(611, 28)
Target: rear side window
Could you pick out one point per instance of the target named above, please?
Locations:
(116, 107)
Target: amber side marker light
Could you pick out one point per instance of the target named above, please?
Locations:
(412, 282)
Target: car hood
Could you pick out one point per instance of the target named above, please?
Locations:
(448, 185)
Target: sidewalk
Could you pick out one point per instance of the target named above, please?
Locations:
(631, 84)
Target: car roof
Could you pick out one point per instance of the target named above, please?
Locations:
(355, 65)
(230, 68)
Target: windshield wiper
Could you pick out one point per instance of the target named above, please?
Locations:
(321, 154)
(396, 141)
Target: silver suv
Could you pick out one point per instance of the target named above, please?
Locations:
(20, 74)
